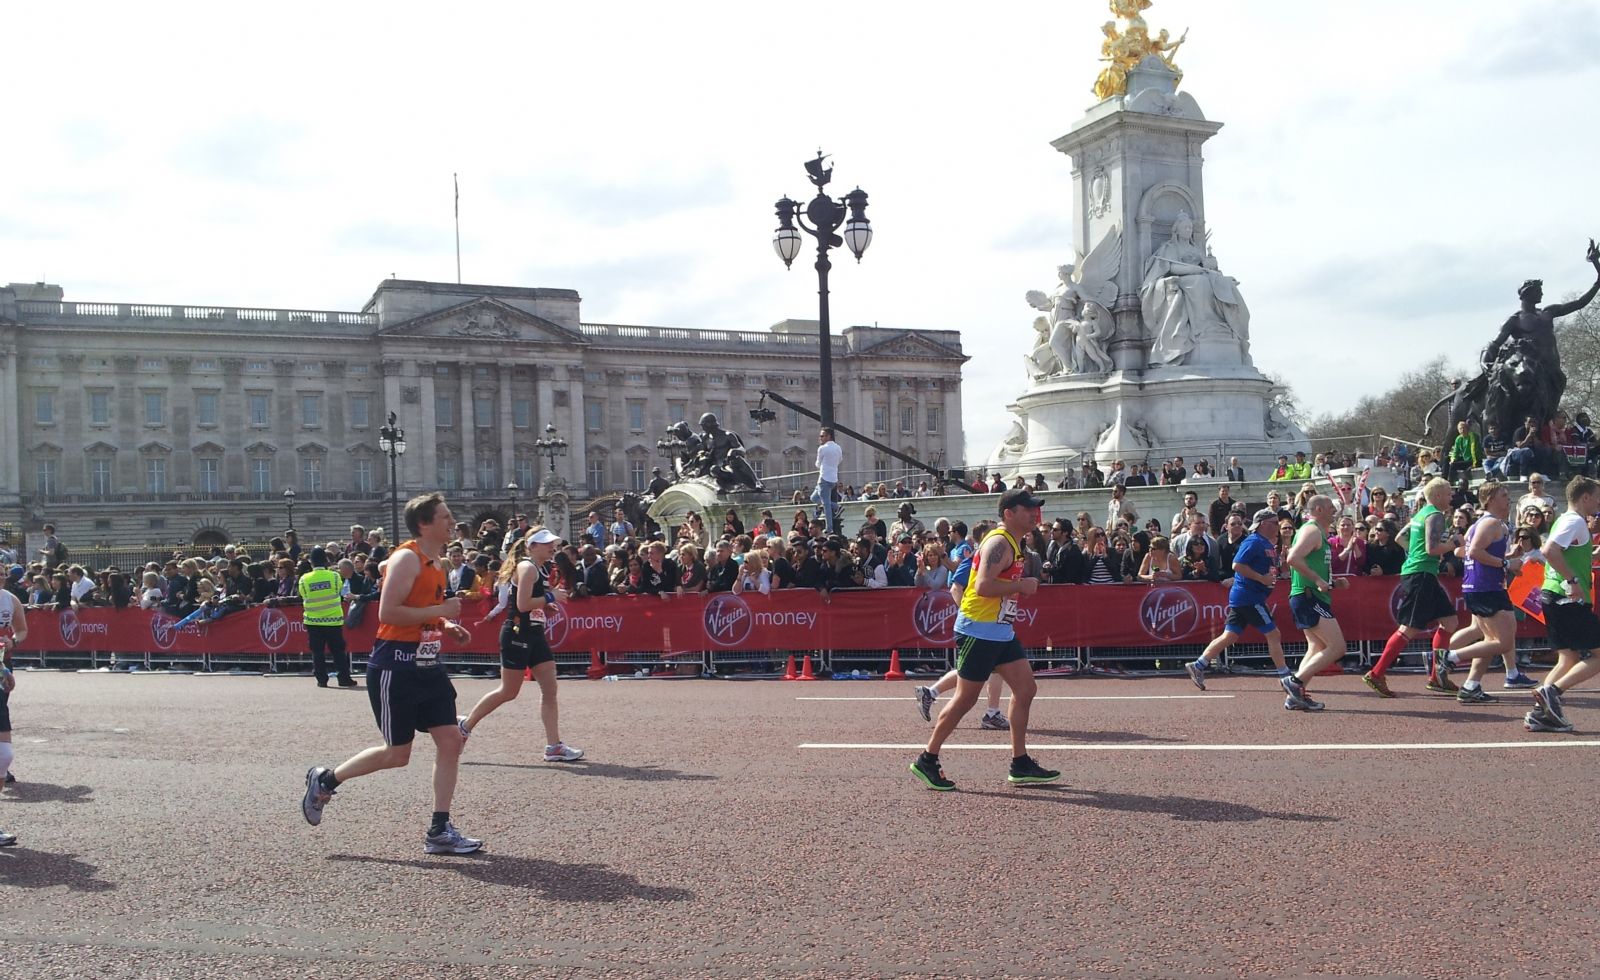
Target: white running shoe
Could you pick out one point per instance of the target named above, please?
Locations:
(316, 797)
(450, 841)
(562, 752)
(461, 726)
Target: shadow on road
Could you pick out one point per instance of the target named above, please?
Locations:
(26, 792)
(1188, 809)
(21, 867)
(553, 880)
(1120, 737)
(1486, 714)
(608, 770)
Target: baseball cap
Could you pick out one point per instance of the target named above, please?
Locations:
(1019, 498)
(1263, 515)
(544, 536)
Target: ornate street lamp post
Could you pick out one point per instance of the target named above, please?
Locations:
(551, 446)
(392, 443)
(288, 499)
(511, 489)
(826, 215)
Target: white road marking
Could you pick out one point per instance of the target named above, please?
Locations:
(1168, 747)
(1063, 697)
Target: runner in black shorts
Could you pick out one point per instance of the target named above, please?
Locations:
(977, 658)
(1424, 605)
(409, 690)
(1487, 569)
(523, 649)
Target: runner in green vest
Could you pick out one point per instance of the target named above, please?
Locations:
(1424, 605)
(1568, 614)
(321, 591)
(1311, 601)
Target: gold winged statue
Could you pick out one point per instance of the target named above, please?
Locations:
(1122, 50)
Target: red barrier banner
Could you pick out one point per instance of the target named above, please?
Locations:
(789, 619)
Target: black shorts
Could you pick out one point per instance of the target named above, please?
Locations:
(520, 651)
(1423, 601)
(977, 658)
(1242, 617)
(1309, 610)
(325, 639)
(1487, 604)
(5, 711)
(1570, 625)
(407, 700)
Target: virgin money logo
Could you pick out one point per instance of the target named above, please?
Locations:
(1169, 614)
(934, 616)
(162, 631)
(728, 620)
(555, 625)
(273, 626)
(67, 623)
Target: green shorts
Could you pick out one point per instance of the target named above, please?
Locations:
(977, 658)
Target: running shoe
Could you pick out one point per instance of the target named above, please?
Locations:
(1197, 673)
(1548, 700)
(7, 840)
(931, 773)
(994, 721)
(1377, 684)
(1439, 666)
(1476, 695)
(1293, 686)
(1519, 682)
(350, 682)
(450, 841)
(1535, 721)
(10, 778)
(1301, 702)
(1025, 770)
(925, 696)
(562, 752)
(461, 726)
(316, 796)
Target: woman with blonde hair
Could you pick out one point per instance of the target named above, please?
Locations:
(522, 642)
(1160, 564)
(754, 574)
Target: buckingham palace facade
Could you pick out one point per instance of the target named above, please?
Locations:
(142, 423)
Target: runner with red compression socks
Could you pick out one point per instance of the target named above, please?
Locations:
(1424, 605)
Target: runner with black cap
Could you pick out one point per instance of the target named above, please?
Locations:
(1255, 572)
(986, 643)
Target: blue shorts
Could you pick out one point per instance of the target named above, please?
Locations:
(1309, 611)
(1241, 617)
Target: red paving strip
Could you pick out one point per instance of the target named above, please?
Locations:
(161, 837)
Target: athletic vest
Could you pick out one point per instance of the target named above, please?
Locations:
(1417, 557)
(1317, 561)
(517, 620)
(1579, 558)
(427, 590)
(989, 617)
(1478, 577)
(320, 589)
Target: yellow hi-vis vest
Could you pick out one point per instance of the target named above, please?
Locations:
(320, 588)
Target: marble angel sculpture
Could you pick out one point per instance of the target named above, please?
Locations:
(1184, 298)
(1077, 324)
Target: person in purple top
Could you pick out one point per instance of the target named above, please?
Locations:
(1493, 632)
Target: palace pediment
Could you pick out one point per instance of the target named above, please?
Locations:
(912, 345)
(485, 320)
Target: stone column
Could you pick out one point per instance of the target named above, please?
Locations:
(391, 368)
(506, 431)
(283, 429)
(577, 465)
(11, 449)
(955, 449)
(234, 431)
(130, 413)
(469, 428)
(424, 472)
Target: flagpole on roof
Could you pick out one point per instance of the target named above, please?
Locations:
(457, 179)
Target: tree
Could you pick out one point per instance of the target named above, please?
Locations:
(1578, 340)
(1397, 412)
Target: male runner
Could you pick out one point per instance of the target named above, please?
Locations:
(1254, 574)
(1493, 631)
(410, 692)
(993, 718)
(1425, 607)
(1570, 620)
(1311, 601)
(13, 620)
(986, 643)
(321, 592)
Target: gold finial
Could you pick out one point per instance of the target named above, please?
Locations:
(1122, 50)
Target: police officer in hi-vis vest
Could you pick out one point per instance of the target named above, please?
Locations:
(321, 591)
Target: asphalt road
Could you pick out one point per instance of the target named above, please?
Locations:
(161, 836)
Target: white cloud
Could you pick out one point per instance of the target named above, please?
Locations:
(1382, 184)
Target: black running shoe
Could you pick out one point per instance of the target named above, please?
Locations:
(930, 773)
(10, 779)
(1025, 770)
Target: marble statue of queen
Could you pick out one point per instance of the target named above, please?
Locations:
(1185, 299)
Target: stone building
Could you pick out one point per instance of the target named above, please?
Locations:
(135, 423)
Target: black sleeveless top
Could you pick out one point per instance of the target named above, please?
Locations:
(518, 621)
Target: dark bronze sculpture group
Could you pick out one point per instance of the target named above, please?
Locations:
(1521, 374)
(713, 454)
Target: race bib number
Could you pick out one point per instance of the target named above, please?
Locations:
(428, 648)
(1008, 609)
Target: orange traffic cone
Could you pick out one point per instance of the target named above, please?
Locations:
(596, 669)
(894, 673)
(805, 669)
(788, 670)
(1334, 669)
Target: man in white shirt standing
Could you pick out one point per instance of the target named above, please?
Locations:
(829, 455)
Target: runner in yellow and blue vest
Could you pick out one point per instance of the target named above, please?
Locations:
(986, 643)
(1568, 615)
(320, 591)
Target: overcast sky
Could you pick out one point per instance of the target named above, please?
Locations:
(1386, 176)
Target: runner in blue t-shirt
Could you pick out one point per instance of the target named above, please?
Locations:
(961, 554)
(1255, 572)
